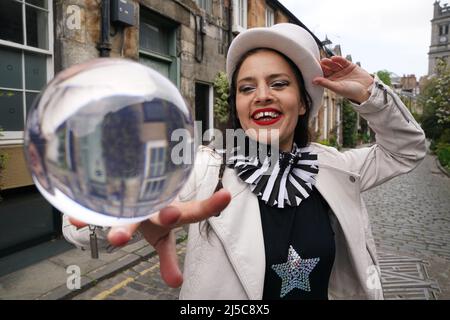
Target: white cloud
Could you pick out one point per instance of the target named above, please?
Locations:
(383, 34)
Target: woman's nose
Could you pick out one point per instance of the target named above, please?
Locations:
(263, 95)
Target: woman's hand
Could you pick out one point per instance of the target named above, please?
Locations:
(158, 230)
(345, 78)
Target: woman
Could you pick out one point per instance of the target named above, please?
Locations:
(286, 234)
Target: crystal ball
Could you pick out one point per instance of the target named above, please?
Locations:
(109, 142)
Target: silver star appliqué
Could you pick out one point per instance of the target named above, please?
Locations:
(295, 272)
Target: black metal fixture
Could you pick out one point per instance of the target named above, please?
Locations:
(104, 46)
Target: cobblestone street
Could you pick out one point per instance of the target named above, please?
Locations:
(411, 224)
(411, 217)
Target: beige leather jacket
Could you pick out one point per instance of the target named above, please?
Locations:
(230, 264)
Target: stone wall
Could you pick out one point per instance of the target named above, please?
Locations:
(78, 30)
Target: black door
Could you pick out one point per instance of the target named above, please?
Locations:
(202, 108)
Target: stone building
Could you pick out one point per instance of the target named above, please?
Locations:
(184, 40)
(440, 37)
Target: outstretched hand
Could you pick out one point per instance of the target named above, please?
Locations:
(158, 230)
(345, 78)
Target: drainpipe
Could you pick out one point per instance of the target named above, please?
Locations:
(230, 21)
(104, 46)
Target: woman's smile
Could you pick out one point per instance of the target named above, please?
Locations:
(266, 116)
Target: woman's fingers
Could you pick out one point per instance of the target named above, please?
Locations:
(119, 236)
(326, 71)
(77, 223)
(332, 65)
(182, 213)
(341, 61)
(196, 211)
(329, 84)
(168, 260)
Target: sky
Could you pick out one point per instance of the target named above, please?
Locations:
(393, 35)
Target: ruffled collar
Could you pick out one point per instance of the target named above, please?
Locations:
(279, 181)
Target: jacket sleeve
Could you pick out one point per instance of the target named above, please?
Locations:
(400, 141)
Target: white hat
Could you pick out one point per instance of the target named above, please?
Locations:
(294, 42)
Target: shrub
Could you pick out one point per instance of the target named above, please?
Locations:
(443, 154)
(349, 125)
(221, 108)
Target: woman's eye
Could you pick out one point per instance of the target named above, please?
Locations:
(279, 84)
(246, 89)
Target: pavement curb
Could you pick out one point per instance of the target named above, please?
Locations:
(107, 271)
(442, 168)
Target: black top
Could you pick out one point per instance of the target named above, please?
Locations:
(300, 249)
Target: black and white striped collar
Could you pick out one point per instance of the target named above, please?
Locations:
(289, 181)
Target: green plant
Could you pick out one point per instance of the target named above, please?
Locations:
(443, 154)
(435, 100)
(385, 76)
(221, 108)
(364, 137)
(325, 142)
(349, 125)
(332, 142)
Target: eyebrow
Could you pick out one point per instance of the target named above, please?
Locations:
(272, 76)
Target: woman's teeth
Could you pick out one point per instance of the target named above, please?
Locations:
(268, 114)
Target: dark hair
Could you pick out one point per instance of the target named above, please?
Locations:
(302, 136)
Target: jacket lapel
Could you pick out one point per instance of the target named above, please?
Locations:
(240, 231)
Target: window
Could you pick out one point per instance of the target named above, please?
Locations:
(26, 61)
(205, 5)
(270, 17)
(204, 104)
(443, 30)
(155, 170)
(240, 15)
(157, 45)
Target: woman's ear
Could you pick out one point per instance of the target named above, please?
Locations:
(302, 110)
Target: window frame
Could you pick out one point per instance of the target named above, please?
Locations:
(240, 26)
(270, 13)
(17, 137)
(153, 180)
(172, 60)
(206, 5)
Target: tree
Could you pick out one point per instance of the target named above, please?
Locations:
(221, 109)
(385, 76)
(349, 125)
(435, 100)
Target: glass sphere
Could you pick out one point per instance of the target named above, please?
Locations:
(99, 143)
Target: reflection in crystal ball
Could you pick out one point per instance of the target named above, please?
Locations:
(98, 142)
